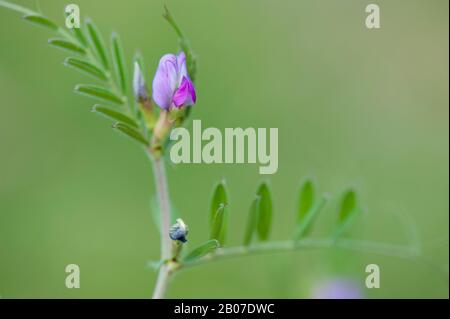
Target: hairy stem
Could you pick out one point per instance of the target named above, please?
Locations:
(164, 210)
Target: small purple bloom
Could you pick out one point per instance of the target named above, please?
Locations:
(140, 92)
(172, 86)
(338, 289)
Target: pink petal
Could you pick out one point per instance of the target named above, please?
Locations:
(185, 95)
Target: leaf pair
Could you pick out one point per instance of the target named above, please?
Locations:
(125, 124)
(260, 215)
(40, 20)
(309, 207)
(97, 64)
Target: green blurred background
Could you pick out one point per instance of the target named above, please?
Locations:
(358, 107)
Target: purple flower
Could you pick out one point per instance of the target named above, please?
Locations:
(172, 86)
(337, 289)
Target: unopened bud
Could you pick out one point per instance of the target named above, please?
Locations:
(139, 89)
(179, 231)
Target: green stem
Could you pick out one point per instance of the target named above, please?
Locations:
(161, 282)
(164, 210)
(400, 251)
(164, 205)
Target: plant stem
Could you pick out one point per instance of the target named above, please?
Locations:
(400, 251)
(164, 210)
(162, 282)
(164, 205)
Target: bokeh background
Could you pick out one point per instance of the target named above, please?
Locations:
(354, 107)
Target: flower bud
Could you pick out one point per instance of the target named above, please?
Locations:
(179, 231)
(139, 89)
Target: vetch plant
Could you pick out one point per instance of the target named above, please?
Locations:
(148, 117)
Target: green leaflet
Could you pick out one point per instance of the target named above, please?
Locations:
(218, 213)
(114, 115)
(86, 67)
(119, 62)
(264, 212)
(131, 133)
(219, 224)
(307, 208)
(41, 20)
(67, 46)
(348, 210)
(306, 199)
(98, 43)
(348, 205)
(260, 215)
(304, 225)
(98, 92)
(202, 250)
(252, 221)
(219, 197)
